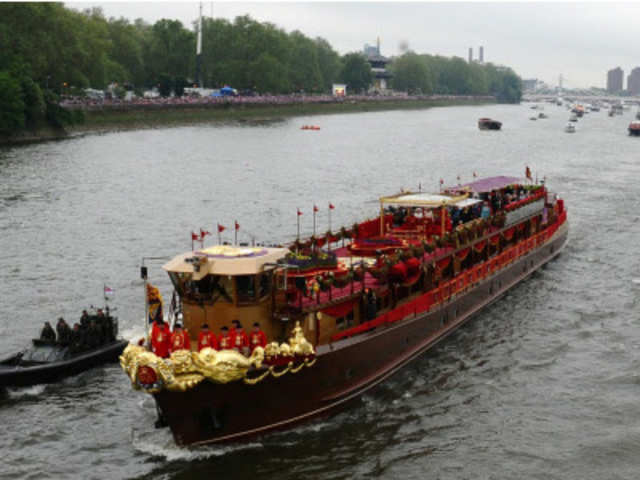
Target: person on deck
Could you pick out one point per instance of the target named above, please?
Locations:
(240, 339)
(224, 340)
(84, 319)
(486, 211)
(206, 338)
(179, 339)
(48, 333)
(160, 337)
(76, 339)
(63, 331)
(94, 335)
(257, 337)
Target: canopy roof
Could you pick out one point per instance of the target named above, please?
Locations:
(430, 200)
(486, 184)
(225, 260)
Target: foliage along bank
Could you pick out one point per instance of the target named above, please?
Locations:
(47, 50)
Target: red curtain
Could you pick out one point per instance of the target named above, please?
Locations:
(479, 247)
(462, 254)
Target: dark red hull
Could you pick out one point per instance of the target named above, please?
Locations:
(344, 370)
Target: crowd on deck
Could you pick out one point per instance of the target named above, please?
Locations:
(164, 341)
(89, 333)
(76, 102)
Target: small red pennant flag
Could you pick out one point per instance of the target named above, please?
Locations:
(315, 209)
(204, 233)
(331, 207)
(221, 228)
(299, 212)
(237, 225)
(194, 236)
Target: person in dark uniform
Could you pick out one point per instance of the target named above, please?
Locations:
(63, 331)
(371, 307)
(76, 339)
(94, 335)
(48, 333)
(84, 319)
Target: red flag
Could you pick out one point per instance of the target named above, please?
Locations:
(441, 182)
(527, 173)
(194, 236)
(203, 233)
(237, 225)
(299, 212)
(315, 209)
(221, 228)
(331, 207)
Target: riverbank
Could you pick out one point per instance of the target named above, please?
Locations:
(101, 119)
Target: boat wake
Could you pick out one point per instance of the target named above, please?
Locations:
(26, 392)
(160, 444)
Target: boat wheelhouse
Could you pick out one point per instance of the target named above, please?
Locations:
(344, 310)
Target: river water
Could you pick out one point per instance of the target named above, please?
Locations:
(542, 384)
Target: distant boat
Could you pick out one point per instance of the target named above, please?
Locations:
(533, 118)
(638, 115)
(573, 117)
(489, 124)
(542, 115)
(634, 128)
(570, 128)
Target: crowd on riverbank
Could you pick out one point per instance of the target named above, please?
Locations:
(79, 103)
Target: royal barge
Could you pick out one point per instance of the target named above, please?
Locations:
(342, 311)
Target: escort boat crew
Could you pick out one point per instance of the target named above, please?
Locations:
(65, 351)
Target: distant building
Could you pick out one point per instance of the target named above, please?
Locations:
(615, 79)
(378, 68)
(633, 81)
(529, 84)
(481, 54)
(470, 54)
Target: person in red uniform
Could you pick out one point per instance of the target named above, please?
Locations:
(207, 338)
(179, 339)
(224, 340)
(257, 337)
(240, 339)
(160, 337)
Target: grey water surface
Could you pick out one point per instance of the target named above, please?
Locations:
(542, 384)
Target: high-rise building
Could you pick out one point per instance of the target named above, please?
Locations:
(615, 79)
(633, 81)
(481, 54)
(470, 54)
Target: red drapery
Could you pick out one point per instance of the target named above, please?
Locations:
(340, 310)
(508, 233)
(479, 247)
(462, 254)
(495, 240)
(443, 263)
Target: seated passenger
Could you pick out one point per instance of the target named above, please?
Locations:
(258, 338)
(179, 339)
(94, 335)
(224, 340)
(486, 211)
(206, 338)
(48, 333)
(160, 337)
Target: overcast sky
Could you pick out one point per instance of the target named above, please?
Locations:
(581, 41)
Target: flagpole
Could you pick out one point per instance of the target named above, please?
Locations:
(235, 236)
(314, 220)
(329, 217)
(192, 242)
(298, 218)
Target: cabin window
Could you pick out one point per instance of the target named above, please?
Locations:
(346, 321)
(222, 288)
(265, 284)
(246, 288)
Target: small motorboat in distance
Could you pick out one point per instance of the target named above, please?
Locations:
(489, 124)
(634, 128)
(570, 128)
(533, 118)
(48, 361)
(542, 115)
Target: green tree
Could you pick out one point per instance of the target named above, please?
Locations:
(11, 104)
(356, 73)
(165, 84)
(411, 74)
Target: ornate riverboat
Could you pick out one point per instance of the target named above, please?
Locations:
(343, 311)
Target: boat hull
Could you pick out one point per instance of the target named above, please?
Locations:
(17, 376)
(344, 370)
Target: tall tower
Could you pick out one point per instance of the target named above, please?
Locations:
(470, 54)
(481, 54)
(378, 45)
(198, 78)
